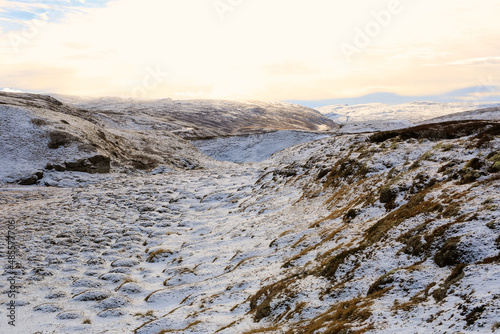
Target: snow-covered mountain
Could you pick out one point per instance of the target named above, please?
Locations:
(387, 232)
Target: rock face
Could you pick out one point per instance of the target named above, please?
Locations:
(96, 164)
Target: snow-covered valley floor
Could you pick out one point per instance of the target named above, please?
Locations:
(111, 256)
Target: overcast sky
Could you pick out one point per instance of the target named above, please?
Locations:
(251, 49)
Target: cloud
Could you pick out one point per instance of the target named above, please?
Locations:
(272, 50)
(9, 90)
(477, 61)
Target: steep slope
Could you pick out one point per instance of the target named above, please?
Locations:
(390, 233)
(38, 131)
(200, 119)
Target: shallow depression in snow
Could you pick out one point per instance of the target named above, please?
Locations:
(254, 148)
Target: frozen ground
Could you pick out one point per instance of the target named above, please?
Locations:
(253, 148)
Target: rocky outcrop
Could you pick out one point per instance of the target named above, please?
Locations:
(96, 164)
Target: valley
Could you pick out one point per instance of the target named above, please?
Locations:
(386, 232)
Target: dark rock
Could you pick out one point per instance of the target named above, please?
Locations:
(28, 181)
(387, 195)
(92, 165)
(449, 254)
(351, 214)
(60, 138)
(31, 180)
(475, 164)
(59, 168)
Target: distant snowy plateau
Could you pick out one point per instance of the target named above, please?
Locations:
(211, 216)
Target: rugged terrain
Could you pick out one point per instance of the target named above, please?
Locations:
(389, 232)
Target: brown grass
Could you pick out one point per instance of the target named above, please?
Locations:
(260, 303)
(347, 170)
(227, 326)
(415, 206)
(308, 249)
(39, 122)
(158, 254)
(456, 275)
(60, 138)
(262, 330)
(491, 260)
(341, 318)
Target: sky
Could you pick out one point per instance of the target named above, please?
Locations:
(300, 50)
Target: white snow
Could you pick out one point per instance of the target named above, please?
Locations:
(253, 148)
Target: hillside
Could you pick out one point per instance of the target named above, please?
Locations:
(393, 232)
(379, 116)
(490, 114)
(201, 119)
(40, 134)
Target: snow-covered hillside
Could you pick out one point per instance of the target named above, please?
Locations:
(379, 116)
(201, 119)
(490, 114)
(387, 232)
(39, 134)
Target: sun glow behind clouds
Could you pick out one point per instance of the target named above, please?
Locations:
(271, 50)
